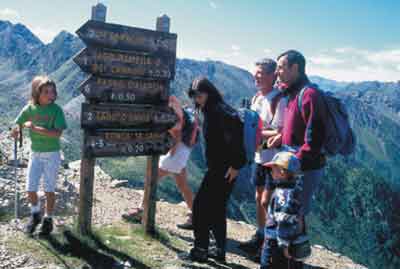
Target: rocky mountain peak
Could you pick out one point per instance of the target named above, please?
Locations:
(17, 37)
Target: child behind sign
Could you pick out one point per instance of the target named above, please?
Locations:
(46, 122)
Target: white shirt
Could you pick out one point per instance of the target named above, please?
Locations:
(262, 105)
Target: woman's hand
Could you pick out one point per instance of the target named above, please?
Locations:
(231, 174)
(274, 141)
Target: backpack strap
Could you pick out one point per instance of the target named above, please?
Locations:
(301, 94)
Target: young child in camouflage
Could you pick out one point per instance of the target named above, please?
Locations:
(46, 122)
(286, 243)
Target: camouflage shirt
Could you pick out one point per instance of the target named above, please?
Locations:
(283, 221)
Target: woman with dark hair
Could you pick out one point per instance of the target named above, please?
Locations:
(225, 155)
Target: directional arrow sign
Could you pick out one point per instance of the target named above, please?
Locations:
(121, 64)
(139, 91)
(108, 143)
(136, 117)
(126, 38)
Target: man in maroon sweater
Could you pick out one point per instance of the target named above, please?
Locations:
(303, 130)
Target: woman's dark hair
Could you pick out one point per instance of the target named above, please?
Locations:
(295, 57)
(203, 85)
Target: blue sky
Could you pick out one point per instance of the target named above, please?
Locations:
(349, 40)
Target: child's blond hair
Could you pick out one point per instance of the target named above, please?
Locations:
(37, 85)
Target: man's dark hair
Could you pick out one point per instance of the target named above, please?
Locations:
(267, 65)
(295, 57)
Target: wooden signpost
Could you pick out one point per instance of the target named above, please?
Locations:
(126, 112)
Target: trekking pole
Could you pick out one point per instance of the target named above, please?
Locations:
(16, 201)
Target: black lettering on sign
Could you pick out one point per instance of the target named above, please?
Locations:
(119, 64)
(109, 143)
(125, 90)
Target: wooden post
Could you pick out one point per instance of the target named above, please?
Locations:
(87, 162)
(150, 187)
(86, 191)
(150, 194)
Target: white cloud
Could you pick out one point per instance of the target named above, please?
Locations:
(213, 5)
(268, 51)
(352, 64)
(386, 56)
(235, 47)
(344, 50)
(208, 54)
(45, 34)
(325, 60)
(9, 14)
(341, 64)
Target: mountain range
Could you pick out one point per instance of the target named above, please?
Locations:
(356, 207)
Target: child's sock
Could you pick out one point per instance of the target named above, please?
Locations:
(35, 208)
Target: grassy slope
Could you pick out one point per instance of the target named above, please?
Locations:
(119, 243)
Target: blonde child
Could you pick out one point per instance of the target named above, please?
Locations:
(46, 122)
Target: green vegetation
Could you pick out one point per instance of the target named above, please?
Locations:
(133, 170)
(5, 215)
(107, 247)
(355, 213)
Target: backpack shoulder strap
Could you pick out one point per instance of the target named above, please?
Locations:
(301, 94)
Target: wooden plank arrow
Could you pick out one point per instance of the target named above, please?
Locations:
(122, 37)
(134, 117)
(109, 143)
(139, 91)
(120, 64)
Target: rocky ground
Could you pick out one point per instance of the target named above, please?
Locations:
(113, 197)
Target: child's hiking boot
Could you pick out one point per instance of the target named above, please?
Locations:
(301, 251)
(198, 255)
(34, 221)
(47, 227)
